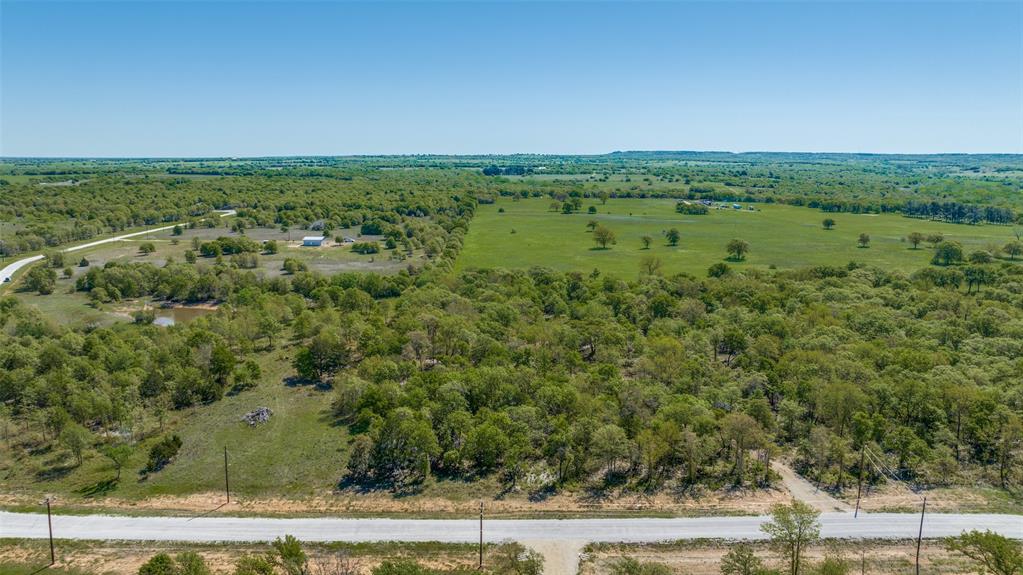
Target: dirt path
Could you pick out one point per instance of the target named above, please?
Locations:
(807, 492)
(559, 557)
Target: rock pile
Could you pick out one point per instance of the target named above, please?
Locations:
(257, 416)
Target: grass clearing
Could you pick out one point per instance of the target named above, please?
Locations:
(529, 234)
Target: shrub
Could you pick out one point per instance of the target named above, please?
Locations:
(162, 453)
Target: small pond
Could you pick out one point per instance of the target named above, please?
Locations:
(175, 315)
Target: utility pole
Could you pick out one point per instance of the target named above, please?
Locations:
(49, 522)
(481, 535)
(859, 485)
(227, 484)
(920, 535)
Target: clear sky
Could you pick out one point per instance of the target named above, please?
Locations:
(284, 78)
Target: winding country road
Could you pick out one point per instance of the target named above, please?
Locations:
(638, 530)
(10, 269)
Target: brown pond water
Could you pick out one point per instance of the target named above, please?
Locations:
(175, 315)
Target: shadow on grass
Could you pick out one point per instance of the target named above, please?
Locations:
(211, 511)
(99, 489)
(295, 381)
(54, 473)
(41, 569)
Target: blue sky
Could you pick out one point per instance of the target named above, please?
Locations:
(276, 78)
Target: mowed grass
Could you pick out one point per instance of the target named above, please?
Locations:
(528, 234)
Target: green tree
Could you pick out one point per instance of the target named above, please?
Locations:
(647, 240)
(828, 223)
(1013, 249)
(792, 528)
(159, 564)
(737, 249)
(118, 455)
(191, 563)
(603, 236)
(947, 253)
(673, 236)
(863, 241)
(485, 446)
(75, 439)
(995, 553)
(147, 248)
(741, 560)
(650, 265)
(915, 238)
(41, 279)
(288, 556)
(610, 444)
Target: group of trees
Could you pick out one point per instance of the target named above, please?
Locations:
(661, 380)
(959, 213)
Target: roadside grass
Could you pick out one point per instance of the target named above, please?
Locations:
(703, 556)
(527, 233)
(83, 557)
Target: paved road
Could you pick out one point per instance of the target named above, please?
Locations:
(838, 525)
(8, 271)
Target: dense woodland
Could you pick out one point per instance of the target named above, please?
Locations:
(676, 381)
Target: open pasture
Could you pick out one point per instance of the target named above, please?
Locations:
(528, 233)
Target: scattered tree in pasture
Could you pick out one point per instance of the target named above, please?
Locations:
(603, 236)
(646, 240)
(737, 249)
(935, 239)
(673, 237)
(915, 239)
(650, 265)
(828, 223)
(1013, 249)
(863, 240)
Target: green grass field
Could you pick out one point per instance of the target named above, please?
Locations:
(529, 234)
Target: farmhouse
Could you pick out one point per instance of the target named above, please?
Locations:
(313, 241)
